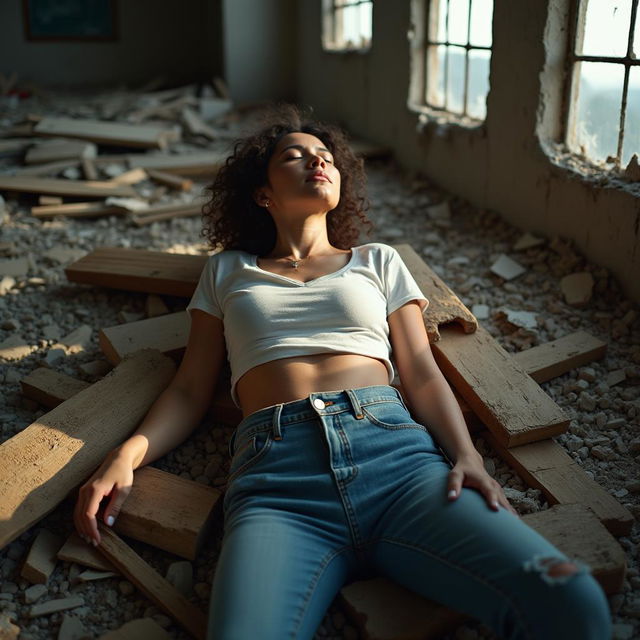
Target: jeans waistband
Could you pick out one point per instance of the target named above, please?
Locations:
(315, 404)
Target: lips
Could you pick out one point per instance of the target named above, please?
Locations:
(319, 176)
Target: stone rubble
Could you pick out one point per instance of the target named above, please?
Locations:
(41, 312)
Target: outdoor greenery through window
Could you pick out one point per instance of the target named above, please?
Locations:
(346, 24)
(458, 53)
(603, 115)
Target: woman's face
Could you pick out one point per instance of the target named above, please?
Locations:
(301, 175)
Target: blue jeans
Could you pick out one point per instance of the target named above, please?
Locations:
(345, 485)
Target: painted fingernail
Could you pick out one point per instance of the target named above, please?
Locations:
(110, 520)
(452, 493)
(494, 504)
(94, 542)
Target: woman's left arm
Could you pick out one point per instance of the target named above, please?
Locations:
(433, 404)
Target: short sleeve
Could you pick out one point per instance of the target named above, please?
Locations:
(204, 297)
(400, 285)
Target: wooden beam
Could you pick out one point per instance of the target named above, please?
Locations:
(40, 465)
(106, 133)
(139, 270)
(444, 305)
(547, 466)
(502, 394)
(77, 210)
(151, 583)
(170, 180)
(166, 212)
(63, 187)
(49, 388)
(186, 164)
(168, 334)
(552, 359)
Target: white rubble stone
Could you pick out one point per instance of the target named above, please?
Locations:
(507, 268)
(480, 311)
(34, 593)
(577, 288)
(528, 241)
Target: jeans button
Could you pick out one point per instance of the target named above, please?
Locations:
(318, 404)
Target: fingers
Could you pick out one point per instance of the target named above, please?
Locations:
(454, 484)
(492, 491)
(84, 515)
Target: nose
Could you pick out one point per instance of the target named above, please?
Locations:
(317, 160)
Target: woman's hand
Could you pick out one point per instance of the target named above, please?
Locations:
(113, 478)
(469, 471)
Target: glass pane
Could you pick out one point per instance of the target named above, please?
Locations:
(596, 118)
(365, 23)
(351, 26)
(631, 142)
(440, 6)
(478, 83)
(635, 49)
(458, 21)
(606, 29)
(481, 21)
(455, 79)
(435, 75)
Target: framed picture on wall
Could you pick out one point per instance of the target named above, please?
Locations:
(59, 20)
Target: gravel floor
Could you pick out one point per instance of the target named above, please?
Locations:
(460, 244)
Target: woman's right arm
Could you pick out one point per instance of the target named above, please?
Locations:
(171, 419)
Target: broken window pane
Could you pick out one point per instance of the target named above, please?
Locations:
(478, 83)
(596, 117)
(631, 142)
(635, 49)
(481, 15)
(455, 79)
(458, 21)
(441, 7)
(347, 24)
(606, 29)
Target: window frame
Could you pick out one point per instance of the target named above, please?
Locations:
(330, 25)
(424, 23)
(577, 20)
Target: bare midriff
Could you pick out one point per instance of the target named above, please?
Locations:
(295, 378)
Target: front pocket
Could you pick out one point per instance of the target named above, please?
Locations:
(391, 414)
(250, 449)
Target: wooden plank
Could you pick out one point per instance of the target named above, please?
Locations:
(547, 466)
(57, 150)
(166, 212)
(169, 512)
(139, 270)
(168, 334)
(145, 628)
(75, 549)
(50, 388)
(546, 361)
(77, 210)
(151, 583)
(133, 176)
(187, 164)
(444, 305)
(89, 169)
(47, 168)
(504, 397)
(63, 187)
(385, 610)
(40, 465)
(106, 133)
(170, 180)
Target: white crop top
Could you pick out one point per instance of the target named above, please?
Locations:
(268, 316)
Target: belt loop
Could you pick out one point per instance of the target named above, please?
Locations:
(355, 403)
(277, 434)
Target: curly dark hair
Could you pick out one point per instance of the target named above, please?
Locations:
(231, 217)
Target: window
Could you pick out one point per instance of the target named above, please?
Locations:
(603, 93)
(453, 78)
(346, 24)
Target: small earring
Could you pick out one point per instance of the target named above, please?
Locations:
(267, 203)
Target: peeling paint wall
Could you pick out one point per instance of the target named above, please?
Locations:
(500, 166)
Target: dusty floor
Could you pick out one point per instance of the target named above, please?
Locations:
(41, 307)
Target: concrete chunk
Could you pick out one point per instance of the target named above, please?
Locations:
(577, 288)
(507, 268)
(51, 606)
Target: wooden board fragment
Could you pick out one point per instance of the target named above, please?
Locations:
(49, 388)
(546, 361)
(63, 187)
(133, 176)
(166, 212)
(170, 180)
(60, 149)
(43, 463)
(169, 512)
(547, 466)
(75, 549)
(47, 168)
(41, 559)
(185, 164)
(140, 629)
(77, 210)
(444, 305)
(139, 270)
(106, 133)
(505, 398)
(385, 610)
(151, 583)
(168, 334)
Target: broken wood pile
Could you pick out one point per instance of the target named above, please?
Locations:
(506, 406)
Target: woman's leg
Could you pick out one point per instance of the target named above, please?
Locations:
(276, 577)
(487, 564)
